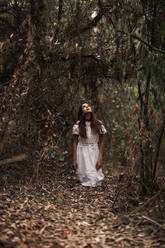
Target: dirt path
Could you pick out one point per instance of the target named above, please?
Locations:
(69, 215)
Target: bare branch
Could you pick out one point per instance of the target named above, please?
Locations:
(143, 41)
(135, 37)
(153, 221)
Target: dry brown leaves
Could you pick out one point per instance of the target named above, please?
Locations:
(69, 215)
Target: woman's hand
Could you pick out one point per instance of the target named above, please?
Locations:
(75, 164)
(98, 164)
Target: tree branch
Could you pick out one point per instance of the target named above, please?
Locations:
(143, 41)
(153, 221)
(135, 37)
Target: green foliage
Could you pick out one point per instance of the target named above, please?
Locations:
(54, 56)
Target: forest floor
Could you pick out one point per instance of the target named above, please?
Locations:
(55, 211)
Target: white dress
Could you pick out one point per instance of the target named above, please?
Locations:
(87, 157)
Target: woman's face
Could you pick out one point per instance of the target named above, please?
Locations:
(86, 108)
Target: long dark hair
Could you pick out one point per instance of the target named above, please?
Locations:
(95, 124)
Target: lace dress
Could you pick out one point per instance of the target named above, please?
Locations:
(87, 157)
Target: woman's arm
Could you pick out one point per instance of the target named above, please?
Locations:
(101, 148)
(75, 142)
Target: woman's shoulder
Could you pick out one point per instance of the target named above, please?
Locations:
(99, 122)
(77, 123)
(75, 129)
(102, 129)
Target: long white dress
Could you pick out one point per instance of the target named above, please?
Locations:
(87, 157)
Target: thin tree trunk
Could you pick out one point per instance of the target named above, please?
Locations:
(158, 146)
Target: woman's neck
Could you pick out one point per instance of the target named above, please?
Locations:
(88, 117)
(87, 123)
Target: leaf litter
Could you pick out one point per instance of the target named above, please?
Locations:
(61, 213)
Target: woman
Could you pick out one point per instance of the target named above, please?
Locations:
(88, 147)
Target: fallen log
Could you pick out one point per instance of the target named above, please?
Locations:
(13, 159)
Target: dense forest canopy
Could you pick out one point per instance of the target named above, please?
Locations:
(56, 54)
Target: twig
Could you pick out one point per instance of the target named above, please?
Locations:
(153, 221)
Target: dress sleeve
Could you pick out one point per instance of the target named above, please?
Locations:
(75, 130)
(103, 130)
